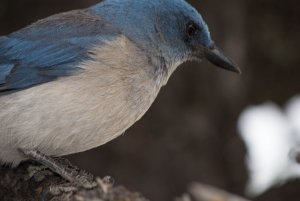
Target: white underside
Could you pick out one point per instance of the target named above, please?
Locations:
(77, 113)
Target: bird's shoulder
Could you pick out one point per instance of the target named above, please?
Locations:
(50, 48)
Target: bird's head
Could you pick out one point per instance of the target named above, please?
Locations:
(170, 29)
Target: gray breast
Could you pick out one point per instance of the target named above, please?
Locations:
(80, 112)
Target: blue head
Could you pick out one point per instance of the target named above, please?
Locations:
(168, 29)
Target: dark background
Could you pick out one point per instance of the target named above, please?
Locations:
(189, 134)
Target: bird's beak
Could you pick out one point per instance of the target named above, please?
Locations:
(217, 57)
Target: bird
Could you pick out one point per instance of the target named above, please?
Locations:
(78, 79)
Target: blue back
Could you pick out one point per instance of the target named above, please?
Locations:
(49, 49)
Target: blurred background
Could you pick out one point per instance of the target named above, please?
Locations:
(190, 133)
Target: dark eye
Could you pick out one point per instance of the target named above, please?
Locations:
(192, 29)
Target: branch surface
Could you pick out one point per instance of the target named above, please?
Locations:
(20, 184)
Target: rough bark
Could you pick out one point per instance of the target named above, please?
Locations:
(30, 182)
(20, 185)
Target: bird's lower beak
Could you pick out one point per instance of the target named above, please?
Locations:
(217, 57)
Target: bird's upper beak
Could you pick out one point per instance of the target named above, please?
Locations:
(217, 57)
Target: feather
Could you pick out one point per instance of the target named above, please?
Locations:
(50, 48)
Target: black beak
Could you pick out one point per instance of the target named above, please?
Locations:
(217, 57)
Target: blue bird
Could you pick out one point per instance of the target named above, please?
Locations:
(76, 80)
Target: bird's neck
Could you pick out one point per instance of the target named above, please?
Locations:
(163, 68)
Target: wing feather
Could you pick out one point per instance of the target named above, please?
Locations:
(50, 48)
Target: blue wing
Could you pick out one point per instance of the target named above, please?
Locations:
(50, 48)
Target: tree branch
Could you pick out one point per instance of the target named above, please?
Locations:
(30, 182)
(203, 192)
(20, 185)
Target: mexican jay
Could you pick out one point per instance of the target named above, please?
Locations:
(76, 80)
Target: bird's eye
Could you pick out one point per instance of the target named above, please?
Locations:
(192, 29)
